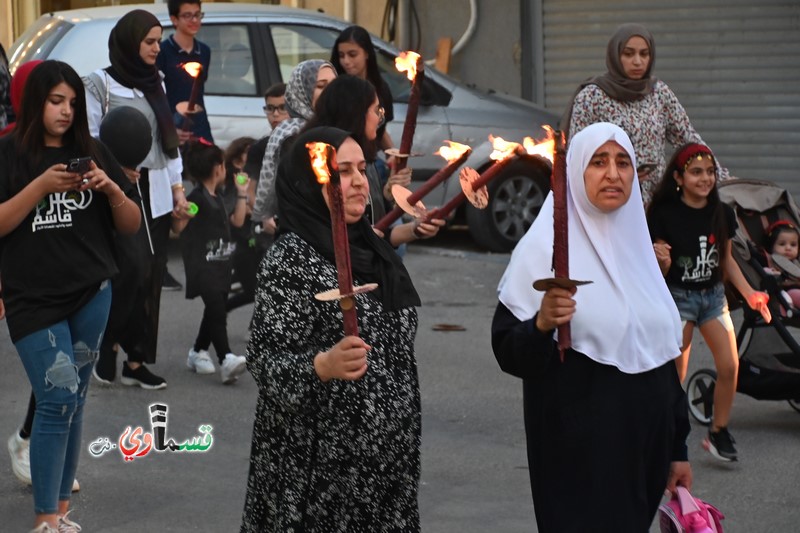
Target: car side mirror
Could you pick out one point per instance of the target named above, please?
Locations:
(432, 94)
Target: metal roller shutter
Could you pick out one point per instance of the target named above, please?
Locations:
(734, 65)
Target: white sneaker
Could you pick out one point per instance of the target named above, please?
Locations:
(232, 367)
(200, 362)
(20, 451)
(65, 525)
(44, 527)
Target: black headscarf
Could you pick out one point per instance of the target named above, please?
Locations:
(614, 82)
(128, 68)
(303, 211)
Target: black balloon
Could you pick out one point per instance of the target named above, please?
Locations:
(126, 132)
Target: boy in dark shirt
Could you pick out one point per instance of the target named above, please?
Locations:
(181, 48)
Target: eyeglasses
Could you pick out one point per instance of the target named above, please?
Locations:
(381, 112)
(269, 109)
(192, 16)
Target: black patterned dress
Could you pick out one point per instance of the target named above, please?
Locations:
(341, 456)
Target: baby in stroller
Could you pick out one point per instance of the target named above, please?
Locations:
(783, 245)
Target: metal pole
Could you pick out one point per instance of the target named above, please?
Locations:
(403, 37)
(532, 42)
(144, 217)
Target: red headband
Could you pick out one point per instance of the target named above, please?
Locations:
(779, 225)
(689, 152)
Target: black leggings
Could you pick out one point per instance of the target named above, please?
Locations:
(214, 326)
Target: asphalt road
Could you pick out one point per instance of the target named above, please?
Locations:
(474, 477)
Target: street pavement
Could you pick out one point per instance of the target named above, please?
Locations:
(474, 470)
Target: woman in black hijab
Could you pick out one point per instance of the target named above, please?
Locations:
(337, 431)
(133, 80)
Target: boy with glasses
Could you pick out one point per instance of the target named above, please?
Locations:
(275, 109)
(180, 48)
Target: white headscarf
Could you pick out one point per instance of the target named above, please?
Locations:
(626, 317)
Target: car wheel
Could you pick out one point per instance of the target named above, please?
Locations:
(515, 199)
(700, 392)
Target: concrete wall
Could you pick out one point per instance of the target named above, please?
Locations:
(491, 59)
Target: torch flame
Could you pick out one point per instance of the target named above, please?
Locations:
(193, 68)
(545, 148)
(407, 62)
(502, 149)
(452, 152)
(319, 153)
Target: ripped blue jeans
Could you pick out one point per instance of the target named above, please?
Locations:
(59, 360)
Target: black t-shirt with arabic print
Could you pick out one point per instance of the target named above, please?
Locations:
(54, 261)
(206, 245)
(694, 252)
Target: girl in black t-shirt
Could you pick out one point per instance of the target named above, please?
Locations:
(57, 229)
(207, 247)
(691, 231)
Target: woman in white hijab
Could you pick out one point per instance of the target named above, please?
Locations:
(606, 428)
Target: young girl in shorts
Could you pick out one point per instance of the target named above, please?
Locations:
(207, 247)
(691, 231)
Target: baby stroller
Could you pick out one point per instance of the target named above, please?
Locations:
(769, 356)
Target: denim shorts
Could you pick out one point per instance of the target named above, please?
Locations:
(700, 305)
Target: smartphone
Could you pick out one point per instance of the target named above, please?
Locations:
(79, 165)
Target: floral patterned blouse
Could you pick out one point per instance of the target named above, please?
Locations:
(341, 456)
(650, 123)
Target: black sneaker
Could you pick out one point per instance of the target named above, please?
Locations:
(169, 283)
(720, 444)
(141, 377)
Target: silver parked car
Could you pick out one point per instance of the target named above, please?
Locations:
(254, 46)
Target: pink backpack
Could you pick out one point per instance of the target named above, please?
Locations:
(686, 514)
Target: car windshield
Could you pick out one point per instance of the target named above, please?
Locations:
(38, 41)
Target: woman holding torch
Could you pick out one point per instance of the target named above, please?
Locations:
(607, 427)
(351, 104)
(337, 431)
